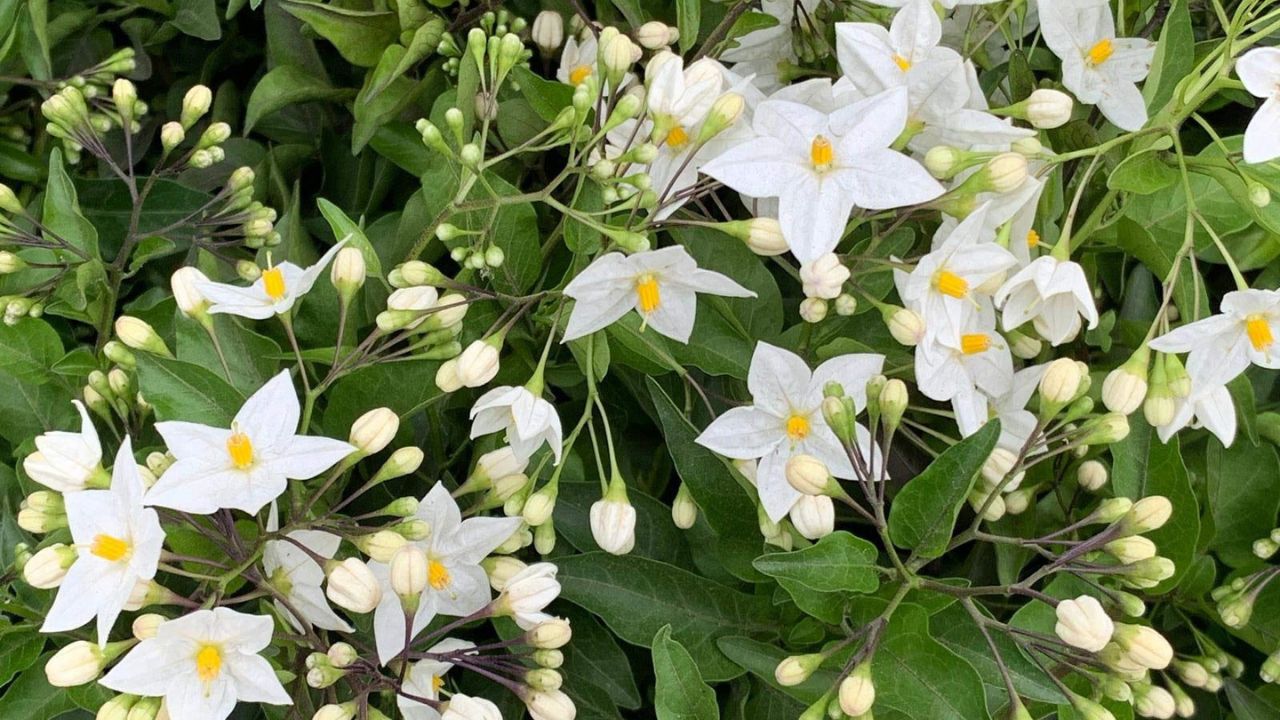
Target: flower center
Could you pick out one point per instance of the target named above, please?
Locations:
(208, 663)
(273, 283)
(648, 292)
(677, 138)
(579, 74)
(821, 154)
(949, 283)
(240, 448)
(797, 427)
(438, 575)
(974, 343)
(903, 63)
(437, 682)
(110, 548)
(1259, 332)
(1101, 52)
(1033, 238)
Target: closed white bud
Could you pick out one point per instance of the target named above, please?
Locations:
(998, 465)
(538, 508)
(46, 569)
(1149, 513)
(1144, 646)
(466, 707)
(943, 161)
(684, 511)
(814, 516)
(550, 634)
(824, 278)
(1083, 623)
(857, 691)
(185, 283)
(1159, 407)
(117, 708)
(8, 201)
(409, 571)
(500, 569)
(807, 474)
(613, 520)
(341, 655)
(76, 664)
(374, 430)
(1091, 475)
(1060, 382)
(764, 237)
(139, 335)
(655, 35)
(846, 305)
(347, 272)
(547, 31)
(905, 326)
(195, 104)
(352, 586)
(617, 55)
(724, 112)
(171, 135)
(547, 705)
(447, 378)
(402, 462)
(145, 626)
(1024, 346)
(1047, 109)
(1029, 146)
(1006, 172)
(813, 310)
(1153, 701)
(1132, 549)
(1125, 388)
(1017, 502)
(796, 669)
(345, 711)
(478, 364)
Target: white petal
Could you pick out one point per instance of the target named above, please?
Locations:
(743, 433)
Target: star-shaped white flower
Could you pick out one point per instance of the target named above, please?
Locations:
(275, 292)
(1222, 346)
(426, 677)
(785, 419)
(527, 420)
(248, 465)
(821, 166)
(1209, 406)
(970, 356)
(660, 285)
(68, 461)
(974, 408)
(1259, 70)
(295, 573)
(456, 584)
(1098, 67)
(202, 664)
(118, 542)
(1051, 293)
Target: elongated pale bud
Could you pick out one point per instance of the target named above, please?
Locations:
(139, 335)
(857, 692)
(195, 104)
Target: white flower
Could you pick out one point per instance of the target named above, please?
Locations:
(1222, 346)
(1259, 70)
(974, 408)
(274, 293)
(247, 466)
(1084, 624)
(1209, 406)
(456, 584)
(1098, 67)
(1052, 293)
(943, 285)
(971, 356)
(821, 166)
(466, 707)
(825, 277)
(578, 59)
(661, 286)
(425, 678)
(119, 543)
(527, 420)
(296, 574)
(527, 593)
(202, 664)
(759, 53)
(67, 461)
(786, 419)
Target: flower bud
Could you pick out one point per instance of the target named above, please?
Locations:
(943, 161)
(1083, 623)
(216, 134)
(543, 679)
(1024, 346)
(1110, 428)
(538, 508)
(117, 708)
(185, 283)
(1132, 549)
(547, 32)
(409, 572)
(813, 310)
(616, 56)
(550, 634)
(1143, 645)
(447, 378)
(347, 272)
(46, 569)
(374, 430)
(352, 586)
(171, 136)
(402, 462)
(904, 325)
(1259, 194)
(808, 475)
(813, 516)
(998, 465)
(195, 104)
(1270, 671)
(1125, 387)
(725, 111)
(545, 705)
(139, 335)
(824, 278)
(796, 669)
(1149, 513)
(145, 626)
(613, 520)
(345, 711)
(1148, 573)
(1087, 709)
(1091, 475)
(1060, 382)
(655, 35)
(764, 237)
(76, 664)
(846, 305)
(341, 655)
(857, 692)
(684, 511)
(1152, 701)
(1005, 172)
(1047, 109)
(8, 201)
(478, 364)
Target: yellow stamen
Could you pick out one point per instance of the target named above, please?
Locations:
(949, 283)
(677, 138)
(1033, 238)
(109, 548)
(579, 74)
(1259, 332)
(974, 343)
(240, 448)
(208, 663)
(903, 63)
(437, 682)
(797, 427)
(821, 153)
(1101, 52)
(438, 575)
(273, 283)
(648, 292)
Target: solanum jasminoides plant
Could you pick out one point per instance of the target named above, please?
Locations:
(688, 359)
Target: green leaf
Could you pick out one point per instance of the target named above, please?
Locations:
(375, 109)
(723, 501)
(1175, 56)
(547, 97)
(22, 647)
(1244, 496)
(26, 409)
(1143, 173)
(31, 696)
(359, 35)
(919, 677)
(760, 659)
(406, 387)
(1248, 705)
(251, 358)
(595, 659)
(29, 349)
(283, 86)
(688, 18)
(1144, 466)
(954, 628)
(679, 692)
(184, 391)
(197, 18)
(149, 248)
(62, 214)
(636, 596)
(839, 562)
(344, 227)
(923, 515)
